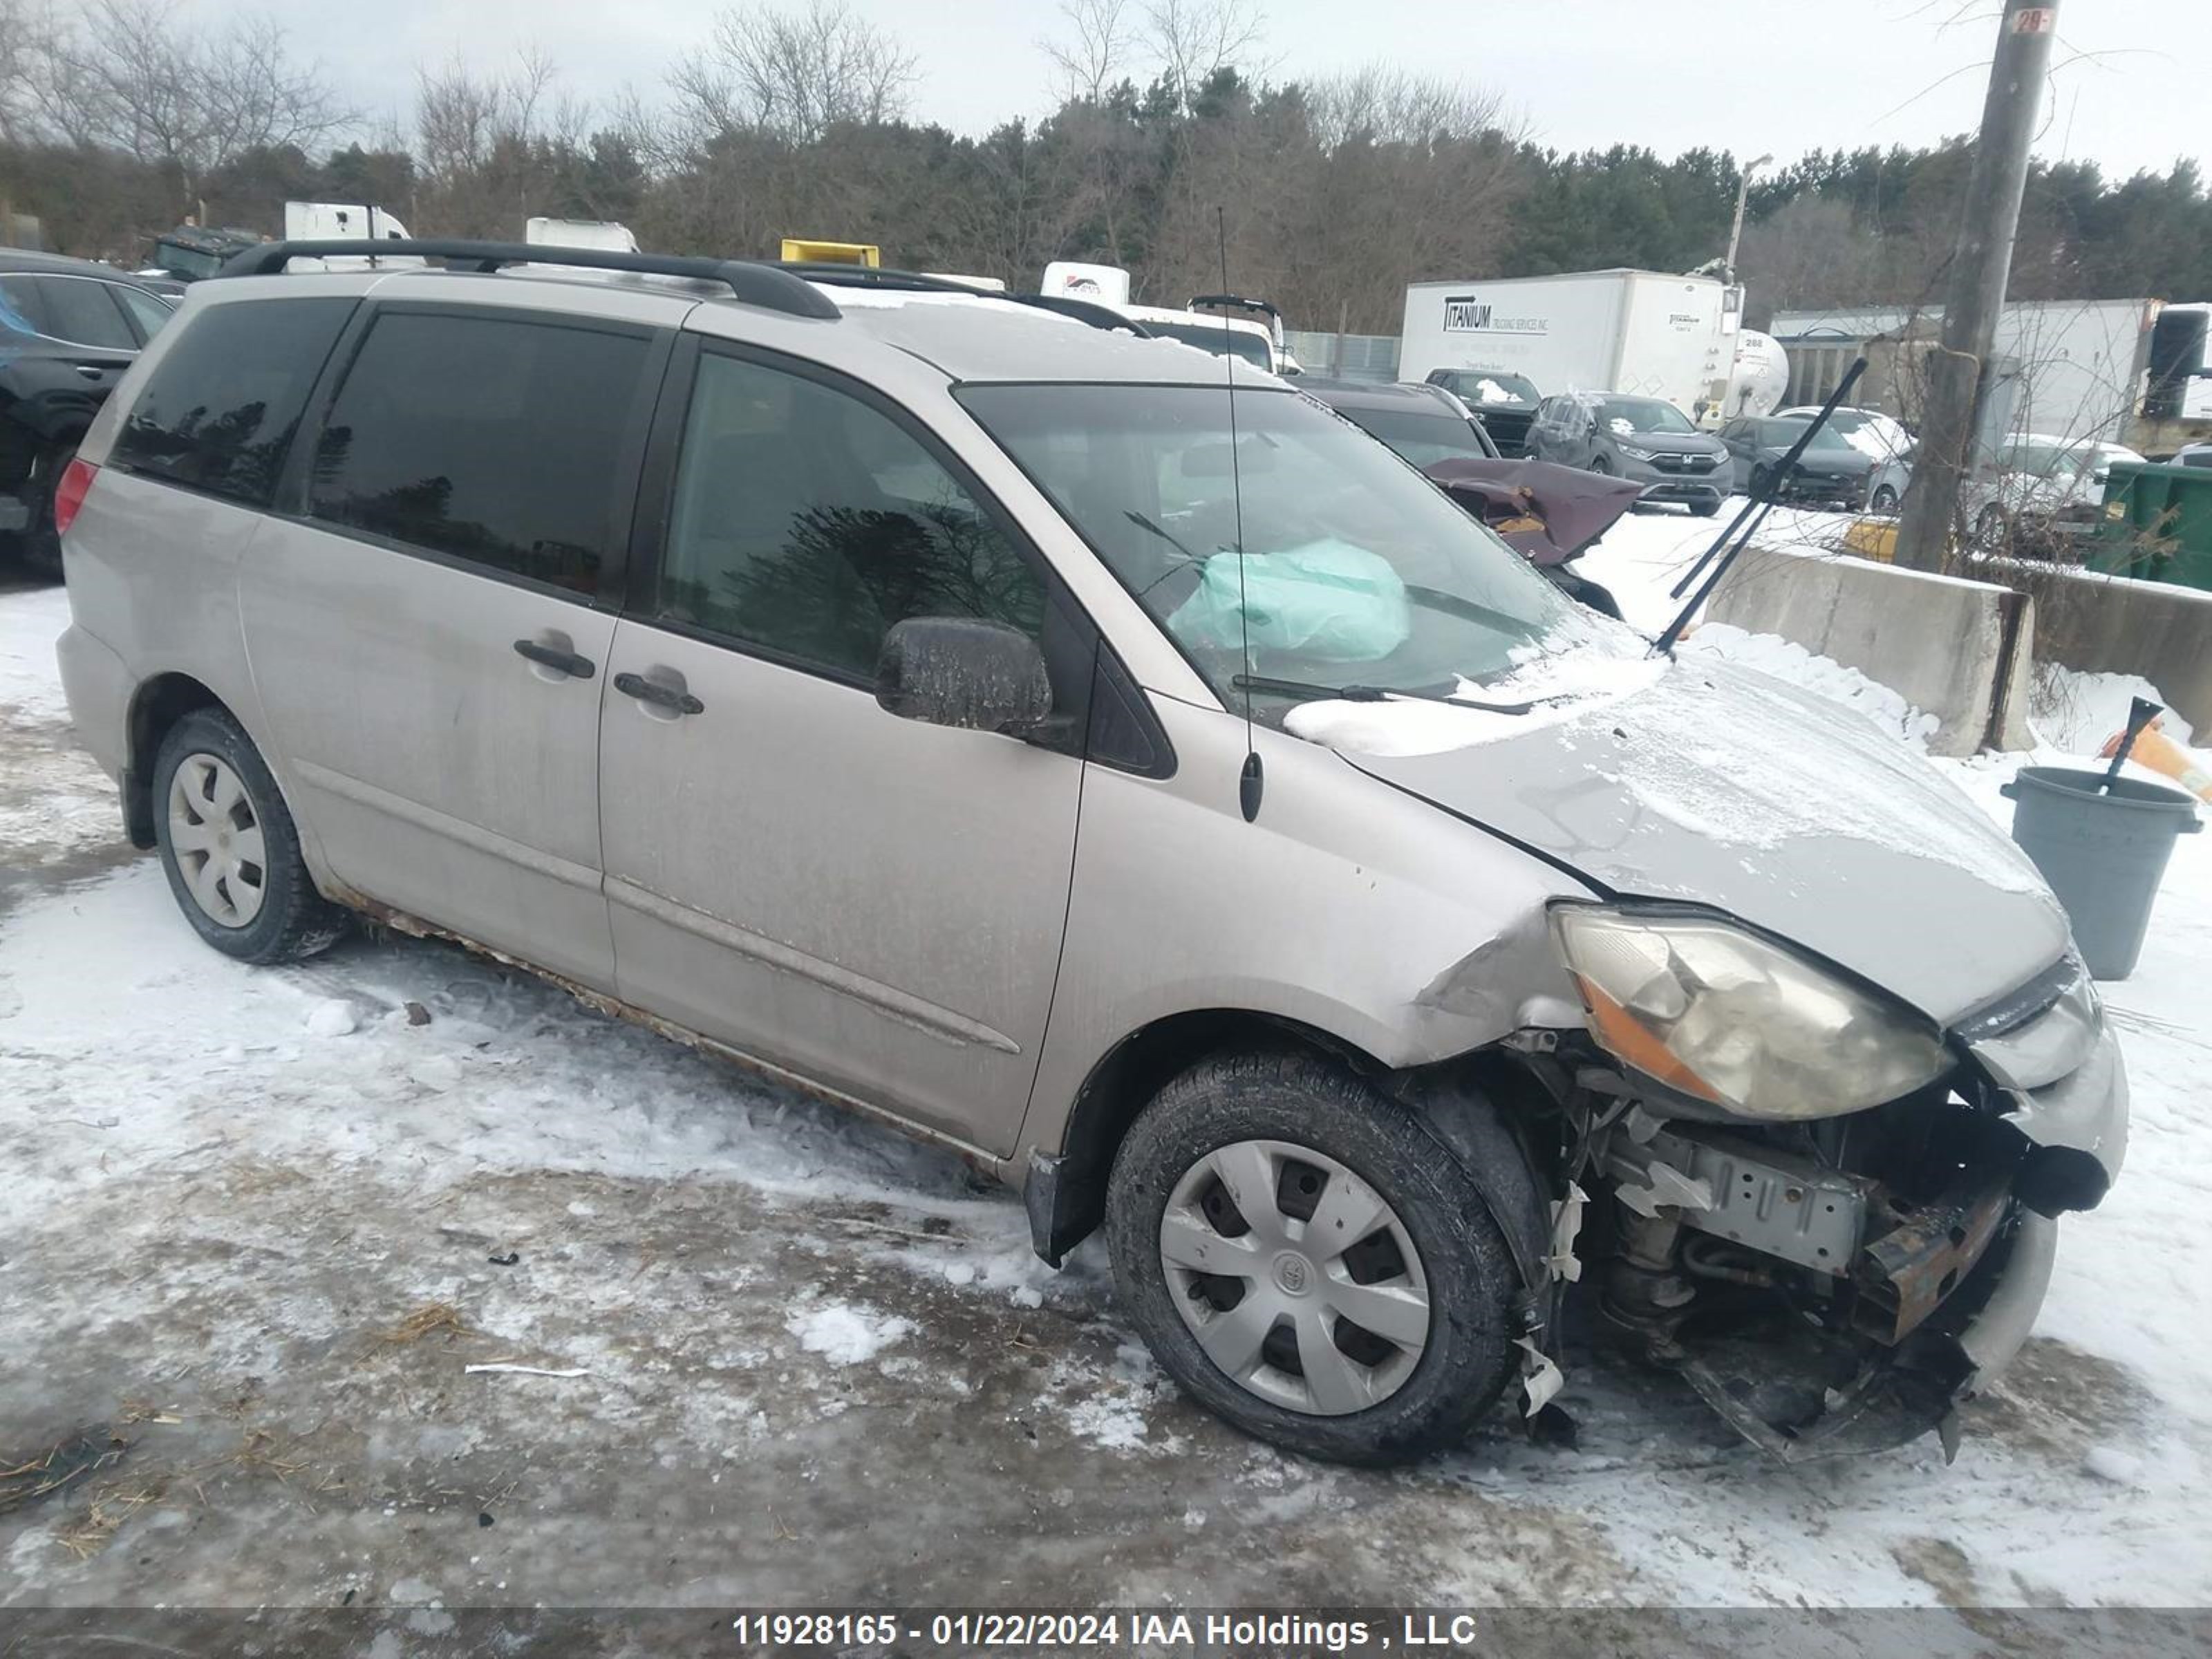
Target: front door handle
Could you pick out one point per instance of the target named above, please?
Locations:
(553, 657)
(659, 696)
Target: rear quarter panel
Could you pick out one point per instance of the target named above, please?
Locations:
(153, 576)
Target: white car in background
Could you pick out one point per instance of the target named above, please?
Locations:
(2032, 479)
(2193, 455)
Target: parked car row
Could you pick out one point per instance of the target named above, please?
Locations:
(740, 659)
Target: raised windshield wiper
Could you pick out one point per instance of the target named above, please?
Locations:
(1143, 523)
(1268, 686)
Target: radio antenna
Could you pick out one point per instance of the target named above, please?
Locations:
(1252, 781)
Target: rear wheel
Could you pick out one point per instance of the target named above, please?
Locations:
(1307, 1259)
(229, 846)
(1990, 526)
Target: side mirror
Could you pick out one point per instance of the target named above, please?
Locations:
(957, 671)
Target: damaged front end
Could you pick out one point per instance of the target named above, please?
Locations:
(1834, 1284)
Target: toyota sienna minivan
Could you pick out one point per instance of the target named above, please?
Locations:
(1103, 761)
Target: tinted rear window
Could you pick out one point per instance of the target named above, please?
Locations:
(218, 412)
(493, 440)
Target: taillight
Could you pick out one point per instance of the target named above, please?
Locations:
(70, 493)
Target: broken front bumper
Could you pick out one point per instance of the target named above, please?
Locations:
(1940, 1301)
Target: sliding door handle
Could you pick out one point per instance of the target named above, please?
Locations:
(553, 657)
(659, 696)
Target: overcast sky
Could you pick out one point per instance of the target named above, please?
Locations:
(1748, 76)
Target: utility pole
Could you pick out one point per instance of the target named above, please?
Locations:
(1989, 217)
(1735, 230)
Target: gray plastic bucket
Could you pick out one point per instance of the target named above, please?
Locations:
(2103, 855)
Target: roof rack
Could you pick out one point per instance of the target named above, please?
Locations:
(769, 287)
(843, 276)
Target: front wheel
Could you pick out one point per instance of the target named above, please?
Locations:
(1885, 502)
(1307, 1259)
(229, 846)
(1990, 527)
(1601, 466)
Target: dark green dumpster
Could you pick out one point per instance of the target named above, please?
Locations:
(2157, 525)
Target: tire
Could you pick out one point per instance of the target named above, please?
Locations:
(40, 545)
(1761, 481)
(1884, 503)
(227, 787)
(1373, 1401)
(1601, 466)
(1990, 528)
(1707, 509)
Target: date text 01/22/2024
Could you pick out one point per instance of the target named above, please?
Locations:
(1199, 1633)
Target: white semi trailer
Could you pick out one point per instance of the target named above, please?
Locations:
(1643, 332)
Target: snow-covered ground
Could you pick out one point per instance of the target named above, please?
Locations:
(253, 1225)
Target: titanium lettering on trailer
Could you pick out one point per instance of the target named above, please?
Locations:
(1465, 314)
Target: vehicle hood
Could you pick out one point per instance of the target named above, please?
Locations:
(1546, 512)
(1724, 787)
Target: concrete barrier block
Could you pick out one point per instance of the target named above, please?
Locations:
(1942, 643)
(2119, 625)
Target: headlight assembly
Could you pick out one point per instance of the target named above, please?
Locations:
(1634, 454)
(1719, 1014)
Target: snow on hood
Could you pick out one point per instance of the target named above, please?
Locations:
(1560, 688)
(1727, 788)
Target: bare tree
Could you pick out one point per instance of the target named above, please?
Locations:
(27, 41)
(493, 150)
(791, 75)
(130, 75)
(1191, 41)
(1098, 58)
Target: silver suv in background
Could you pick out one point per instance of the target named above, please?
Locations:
(1108, 764)
(1646, 440)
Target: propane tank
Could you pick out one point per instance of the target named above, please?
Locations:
(1760, 378)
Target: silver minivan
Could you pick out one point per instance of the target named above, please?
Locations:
(1104, 761)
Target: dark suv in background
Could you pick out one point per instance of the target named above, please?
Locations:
(1645, 441)
(1505, 403)
(1422, 423)
(68, 330)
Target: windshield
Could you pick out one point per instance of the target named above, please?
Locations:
(2049, 460)
(1828, 437)
(1495, 386)
(187, 262)
(1357, 570)
(1627, 415)
(1421, 437)
(1221, 342)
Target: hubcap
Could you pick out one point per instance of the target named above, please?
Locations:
(216, 841)
(1295, 1276)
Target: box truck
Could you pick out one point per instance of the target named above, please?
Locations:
(1639, 331)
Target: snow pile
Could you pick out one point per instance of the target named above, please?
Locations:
(1770, 653)
(2079, 712)
(30, 682)
(845, 1333)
